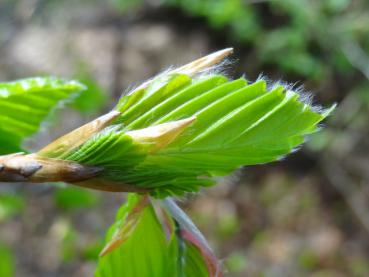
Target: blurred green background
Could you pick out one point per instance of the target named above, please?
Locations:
(307, 215)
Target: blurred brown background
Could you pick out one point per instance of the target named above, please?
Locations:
(307, 215)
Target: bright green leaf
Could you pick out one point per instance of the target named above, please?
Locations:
(25, 104)
(154, 247)
(236, 124)
(145, 253)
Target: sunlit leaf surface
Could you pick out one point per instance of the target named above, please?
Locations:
(25, 104)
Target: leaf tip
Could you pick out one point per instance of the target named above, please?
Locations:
(161, 135)
(110, 246)
(204, 63)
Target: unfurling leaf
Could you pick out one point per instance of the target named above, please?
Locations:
(147, 241)
(236, 124)
(145, 251)
(127, 225)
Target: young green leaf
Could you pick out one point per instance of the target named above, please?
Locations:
(231, 124)
(144, 252)
(25, 104)
(147, 241)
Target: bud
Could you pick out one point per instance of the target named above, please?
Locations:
(195, 67)
(19, 167)
(161, 135)
(204, 63)
(78, 136)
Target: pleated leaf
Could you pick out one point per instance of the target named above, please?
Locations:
(25, 104)
(236, 123)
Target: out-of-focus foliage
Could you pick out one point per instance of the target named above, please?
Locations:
(10, 205)
(7, 265)
(70, 198)
(236, 262)
(309, 38)
(92, 99)
(73, 244)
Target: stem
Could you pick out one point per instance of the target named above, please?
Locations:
(19, 167)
